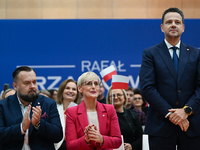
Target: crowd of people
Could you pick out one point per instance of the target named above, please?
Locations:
(92, 124)
(78, 116)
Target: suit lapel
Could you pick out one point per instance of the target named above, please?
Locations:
(183, 58)
(164, 53)
(102, 117)
(15, 108)
(82, 115)
(101, 113)
(62, 117)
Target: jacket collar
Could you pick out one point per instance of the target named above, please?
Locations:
(101, 113)
(183, 58)
(164, 53)
(15, 109)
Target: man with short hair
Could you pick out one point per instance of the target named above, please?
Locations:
(28, 121)
(130, 97)
(170, 83)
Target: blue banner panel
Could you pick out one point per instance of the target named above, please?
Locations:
(61, 49)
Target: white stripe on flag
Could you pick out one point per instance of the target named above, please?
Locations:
(107, 70)
(120, 78)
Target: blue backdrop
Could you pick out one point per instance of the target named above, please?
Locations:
(61, 49)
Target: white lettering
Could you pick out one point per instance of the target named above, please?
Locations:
(95, 66)
(85, 64)
(56, 80)
(105, 85)
(103, 64)
(120, 67)
(42, 83)
(70, 77)
(88, 66)
(113, 63)
(134, 84)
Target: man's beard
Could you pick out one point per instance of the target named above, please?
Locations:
(28, 97)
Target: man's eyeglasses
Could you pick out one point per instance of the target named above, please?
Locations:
(118, 95)
(139, 98)
(90, 83)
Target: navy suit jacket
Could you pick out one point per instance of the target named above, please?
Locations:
(49, 132)
(164, 89)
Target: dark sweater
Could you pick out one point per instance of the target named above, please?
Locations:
(131, 128)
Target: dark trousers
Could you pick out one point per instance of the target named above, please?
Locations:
(178, 139)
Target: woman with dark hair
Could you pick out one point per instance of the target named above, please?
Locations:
(53, 93)
(139, 102)
(129, 123)
(67, 93)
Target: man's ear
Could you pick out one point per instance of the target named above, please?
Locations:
(161, 26)
(15, 85)
(183, 28)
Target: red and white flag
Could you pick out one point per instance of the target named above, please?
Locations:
(107, 73)
(120, 82)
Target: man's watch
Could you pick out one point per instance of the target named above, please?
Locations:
(37, 125)
(188, 110)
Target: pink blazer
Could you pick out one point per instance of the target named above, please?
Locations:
(76, 121)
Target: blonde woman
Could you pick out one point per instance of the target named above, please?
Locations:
(129, 123)
(91, 125)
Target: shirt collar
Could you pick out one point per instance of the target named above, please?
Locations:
(169, 45)
(20, 103)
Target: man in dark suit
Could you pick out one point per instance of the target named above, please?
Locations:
(170, 82)
(27, 120)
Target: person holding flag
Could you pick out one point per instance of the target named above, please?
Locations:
(129, 123)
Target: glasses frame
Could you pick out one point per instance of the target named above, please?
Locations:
(93, 83)
(118, 95)
(137, 98)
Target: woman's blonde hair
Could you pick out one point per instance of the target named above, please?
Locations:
(5, 92)
(108, 95)
(87, 76)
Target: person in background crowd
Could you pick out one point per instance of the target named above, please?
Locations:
(67, 93)
(140, 113)
(91, 125)
(53, 93)
(27, 119)
(169, 82)
(129, 123)
(101, 98)
(45, 93)
(139, 102)
(7, 93)
(130, 94)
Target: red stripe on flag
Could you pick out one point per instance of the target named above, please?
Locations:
(109, 76)
(119, 85)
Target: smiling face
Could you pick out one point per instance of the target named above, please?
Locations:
(118, 97)
(70, 92)
(90, 89)
(172, 25)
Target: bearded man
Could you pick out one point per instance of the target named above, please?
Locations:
(28, 121)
